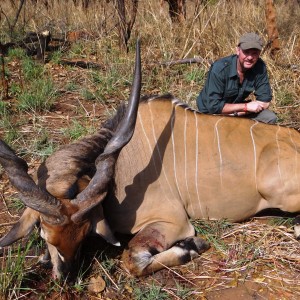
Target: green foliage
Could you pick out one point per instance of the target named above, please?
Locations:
(107, 84)
(34, 90)
(80, 283)
(75, 130)
(87, 94)
(196, 75)
(152, 292)
(55, 57)
(42, 145)
(39, 96)
(15, 203)
(11, 134)
(212, 231)
(280, 221)
(15, 88)
(10, 131)
(71, 86)
(12, 269)
(31, 69)
(77, 49)
(284, 98)
(16, 53)
(183, 292)
(3, 108)
(107, 263)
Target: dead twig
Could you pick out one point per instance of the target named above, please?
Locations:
(17, 15)
(194, 60)
(82, 64)
(4, 202)
(108, 276)
(7, 224)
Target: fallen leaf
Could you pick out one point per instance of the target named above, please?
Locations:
(96, 285)
(128, 288)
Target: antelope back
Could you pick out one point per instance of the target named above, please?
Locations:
(180, 159)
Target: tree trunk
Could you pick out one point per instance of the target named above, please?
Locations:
(272, 30)
(177, 10)
(124, 9)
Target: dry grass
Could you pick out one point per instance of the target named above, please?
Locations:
(255, 253)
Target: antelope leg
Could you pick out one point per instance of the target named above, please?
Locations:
(149, 251)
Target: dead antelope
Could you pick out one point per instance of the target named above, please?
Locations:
(178, 164)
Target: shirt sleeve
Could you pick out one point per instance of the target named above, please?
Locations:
(215, 87)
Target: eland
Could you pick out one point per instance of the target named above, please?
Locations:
(148, 171)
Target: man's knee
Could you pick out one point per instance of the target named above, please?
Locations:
(265, 116)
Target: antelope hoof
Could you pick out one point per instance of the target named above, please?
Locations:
(194, 245)
(297, 227)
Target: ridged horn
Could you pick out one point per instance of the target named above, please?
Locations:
(31, 195)
(126, 127)
(97, 188)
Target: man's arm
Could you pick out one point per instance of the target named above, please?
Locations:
(244, 108)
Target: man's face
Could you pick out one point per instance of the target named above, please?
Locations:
(247, 58)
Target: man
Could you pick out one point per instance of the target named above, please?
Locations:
(232, 79)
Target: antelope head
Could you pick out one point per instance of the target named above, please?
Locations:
(65, 223)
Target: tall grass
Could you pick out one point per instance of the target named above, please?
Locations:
(13, 271)
(211, 31)
(39, 96)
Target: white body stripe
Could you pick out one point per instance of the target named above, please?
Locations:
(160, 157)
(174, 156)
(254, 153)
(185, 162)
(219, 150)
(278, 156)
(150, 149)
(197, 164)
(208, 167)
(296, 159)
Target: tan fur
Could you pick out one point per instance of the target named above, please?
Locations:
(238, 168)
(179, 165)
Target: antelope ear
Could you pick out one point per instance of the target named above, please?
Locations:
(101, 227)
(22, 228)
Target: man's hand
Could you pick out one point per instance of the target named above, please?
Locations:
(254, 106)
(265, 105)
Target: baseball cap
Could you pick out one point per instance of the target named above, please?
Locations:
(250, 41)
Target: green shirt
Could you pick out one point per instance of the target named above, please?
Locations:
(223, 85)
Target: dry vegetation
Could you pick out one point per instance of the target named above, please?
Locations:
(258, 259)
